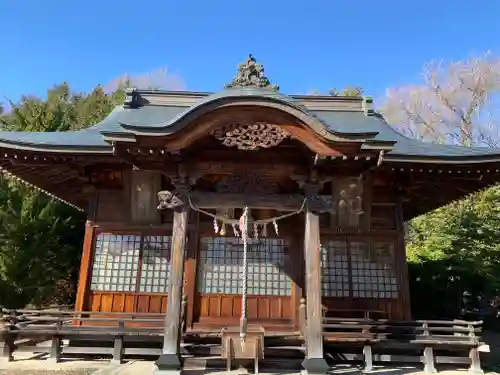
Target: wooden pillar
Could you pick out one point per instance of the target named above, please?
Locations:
(170, 359)
(85, 267)
(402, 264)
(314, 363)
(191, 267)
(87, 254)
(297, 272)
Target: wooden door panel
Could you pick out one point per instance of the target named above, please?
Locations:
(121, 302)
(213, 306)
(218, 296)
(127, 302)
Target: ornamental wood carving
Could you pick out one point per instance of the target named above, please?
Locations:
(169, 199)
(251, 73)
(250, 135)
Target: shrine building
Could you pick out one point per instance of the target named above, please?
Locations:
(246, 194)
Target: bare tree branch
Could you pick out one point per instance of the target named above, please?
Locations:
(157, 79)
(453, 105)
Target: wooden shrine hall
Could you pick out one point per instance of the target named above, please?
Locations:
(246, 203)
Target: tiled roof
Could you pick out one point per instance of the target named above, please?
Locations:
(167, 118)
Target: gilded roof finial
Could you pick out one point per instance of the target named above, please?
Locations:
(251, 73)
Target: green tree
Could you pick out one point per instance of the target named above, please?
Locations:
(41, 239)
(454, 256)
(41, 243)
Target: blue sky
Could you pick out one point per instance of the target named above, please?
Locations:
(303, 44)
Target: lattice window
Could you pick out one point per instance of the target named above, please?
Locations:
(373, 270)
(131, 263)
(221, 267)
(358, 269)
(155, 265)
(335, 266)
(116, 261)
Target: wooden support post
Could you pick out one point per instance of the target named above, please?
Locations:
(85, 269)
(170, 359)
(55, 347)
(429, 366)
(314, 363)
(475, 362)
(118, 346)
(475, 359)
(296, 270)
(184, 302)
(368, 356)
(190, 271)
(402, 264)
(8, 342)
(367, 351)
(302, 317)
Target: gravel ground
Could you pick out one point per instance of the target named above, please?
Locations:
(47, 372)
(24, 364)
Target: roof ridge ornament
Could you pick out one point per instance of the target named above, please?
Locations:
(251, 73)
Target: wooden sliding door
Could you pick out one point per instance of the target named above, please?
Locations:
(219, 281)
(360, 277)
(129, 272)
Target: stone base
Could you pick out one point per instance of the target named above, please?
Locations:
(168, 364)
(315, 366)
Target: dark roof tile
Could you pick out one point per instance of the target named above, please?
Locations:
(156, 117)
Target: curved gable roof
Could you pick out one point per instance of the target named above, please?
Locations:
(262, 97)
(130, 120)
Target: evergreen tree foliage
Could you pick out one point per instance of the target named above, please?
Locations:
(41, 239)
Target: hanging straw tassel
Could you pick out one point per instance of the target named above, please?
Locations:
(216, 226)
(275, 225)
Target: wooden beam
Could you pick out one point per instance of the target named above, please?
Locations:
(268, 168)
(170, 359)
(280, 202)
(314, 363)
